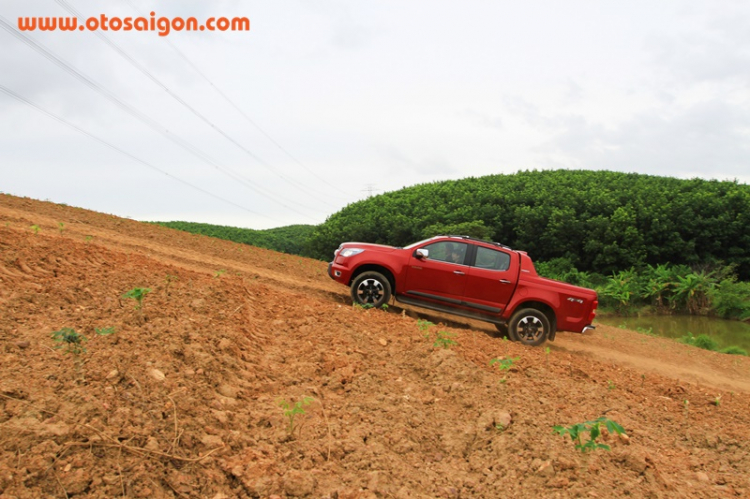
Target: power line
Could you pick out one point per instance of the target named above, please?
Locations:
(369, 189)
(138, 115)
(241, 112)
(59, 119)
(253, 123)
(190, 108)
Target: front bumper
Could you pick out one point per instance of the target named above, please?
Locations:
(330, 271)
(338, 273)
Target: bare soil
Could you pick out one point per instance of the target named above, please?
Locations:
(183, 400)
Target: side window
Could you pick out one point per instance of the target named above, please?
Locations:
(492, 259)
(446, 251)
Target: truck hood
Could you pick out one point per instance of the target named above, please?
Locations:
(369, 247)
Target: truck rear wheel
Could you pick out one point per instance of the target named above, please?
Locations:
(371, 288)
(530, 326)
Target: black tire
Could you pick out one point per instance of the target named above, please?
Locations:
(530, 326)
(371, 288)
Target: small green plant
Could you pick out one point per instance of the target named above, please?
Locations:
(168, 280)
(292, 410)
(104, 331)
(137, 294)
(593, 428)
(363, 306)
(60, 227)
(647, 332)
(717, 401)
(89, 238)
(35, 229)
(503, 364)
(219, 273)
(384, 307)
(444, 339)
(424, 325)
(500, 427)
(546, 357)
(610, 385)
(70, 340)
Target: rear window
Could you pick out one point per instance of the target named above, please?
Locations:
(491, 259)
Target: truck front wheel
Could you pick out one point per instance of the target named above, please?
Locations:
(371, 288)
(530, 326)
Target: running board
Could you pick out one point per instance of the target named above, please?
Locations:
(453, 301)
(450, 310)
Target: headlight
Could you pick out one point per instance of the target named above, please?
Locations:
(350, 252)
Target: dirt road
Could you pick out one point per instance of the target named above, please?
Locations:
(184, 399)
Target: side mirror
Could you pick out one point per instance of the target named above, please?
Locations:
(422, 254)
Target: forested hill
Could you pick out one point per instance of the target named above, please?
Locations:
(287, 239)
(599, 221)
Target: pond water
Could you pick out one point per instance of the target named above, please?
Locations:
(726, 333)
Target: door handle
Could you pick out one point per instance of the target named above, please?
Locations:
(504, 281)
(458, 272)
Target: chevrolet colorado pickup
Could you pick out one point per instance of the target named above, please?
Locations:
(467, 277)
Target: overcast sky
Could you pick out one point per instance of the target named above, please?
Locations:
(323, 102)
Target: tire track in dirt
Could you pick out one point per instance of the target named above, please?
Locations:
(199, 261)
(664, 357)
(607, 344)
(681, 362)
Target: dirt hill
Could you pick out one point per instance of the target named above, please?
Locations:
(183, 399)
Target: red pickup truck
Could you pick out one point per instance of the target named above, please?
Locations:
(467, 277)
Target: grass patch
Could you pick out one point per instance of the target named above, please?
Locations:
(734, 350)
(701, 341)
(707, 343)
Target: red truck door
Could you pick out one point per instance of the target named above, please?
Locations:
(441, 275)
(492, 280)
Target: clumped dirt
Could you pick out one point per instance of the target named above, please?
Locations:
(183, 400)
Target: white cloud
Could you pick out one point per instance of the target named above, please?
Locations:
(386, 93)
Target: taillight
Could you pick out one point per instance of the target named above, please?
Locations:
(593, 310)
